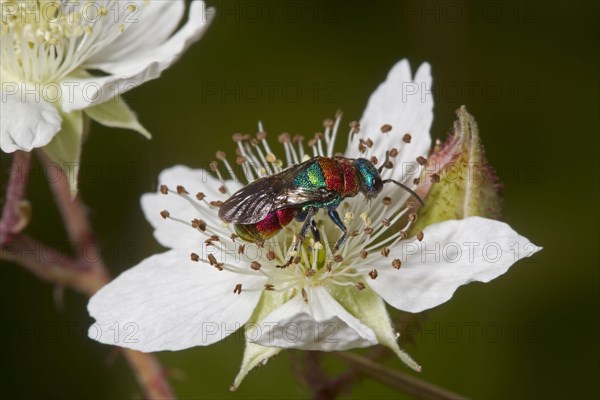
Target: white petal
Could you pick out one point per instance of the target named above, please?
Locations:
(452, 253)
(176, 235)
(168, 302)
(26, 121)
(406, 105)
(319, 324)
(154, 23)
(80, 93)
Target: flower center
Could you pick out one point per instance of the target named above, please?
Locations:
(45, 40)
(373, 227)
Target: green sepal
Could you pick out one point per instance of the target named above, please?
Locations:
(115, 113)
(468, 185)
(65, 148)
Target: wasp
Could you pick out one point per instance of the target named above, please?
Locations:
(261, 209)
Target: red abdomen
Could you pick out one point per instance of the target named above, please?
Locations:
(267, 227)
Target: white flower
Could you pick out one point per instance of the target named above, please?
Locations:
(208, 284)
(51, 50)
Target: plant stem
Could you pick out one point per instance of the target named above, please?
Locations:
(396, 379)
(84, 275)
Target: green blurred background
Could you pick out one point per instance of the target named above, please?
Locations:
(528, 71)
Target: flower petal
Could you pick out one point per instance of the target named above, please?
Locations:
(153, 23)
(317, 324)
(168, 302)
(26, 123)
(452, 253)
(79, 93)
(173, 234)
(407, 105)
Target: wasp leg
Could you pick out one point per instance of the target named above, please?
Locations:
(335, 217)
(307, 223)
(315, 231)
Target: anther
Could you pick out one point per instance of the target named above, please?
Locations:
(268, 286)
(298, 138)
(421, 160)
(354, 233)
(212, 260)
(385, 252)
(241, 248)
(233, 237)
(435, 178)
(406, 138)
(386, 201)
(238, 289)
(199, 224)
(396, 264)
(195, 257)
(200, 196)
(416, 181)
(364, 254)
(412, 217)
(328, 123)
(360, 285)
(223, 189)
(181, 190)
(368, 230)
(374, 160)
(338, 258)
(373, 274)
(214, 166)
(165, 214)
(386, 128)
(261, 135)
(385, 222)
(271, 255)
(361, 147)
(328, 266)
(216, 203)
(164, 189)
(255, 265)
(296, 260)
(354, 127)
(284, 138)
(304, 295)
(310, 272)
(247, 137)
(388, 164)
(240, 160)
(220, 155)
(393, 152)
(369, 143)
(339, 114)
(420, 236)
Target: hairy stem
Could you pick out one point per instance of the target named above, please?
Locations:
(405, 383)
(84, 275)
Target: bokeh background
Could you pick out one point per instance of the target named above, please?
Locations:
(528, 71)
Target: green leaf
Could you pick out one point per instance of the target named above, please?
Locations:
(115, 113)
(65, 147)
(468, 185)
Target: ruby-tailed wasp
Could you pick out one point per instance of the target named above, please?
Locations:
(265, 206)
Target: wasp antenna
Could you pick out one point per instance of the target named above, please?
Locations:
(409, 190)
(383, 164)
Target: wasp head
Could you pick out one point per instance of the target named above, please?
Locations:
(368, 177)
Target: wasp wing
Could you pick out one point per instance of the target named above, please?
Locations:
(253, 202)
